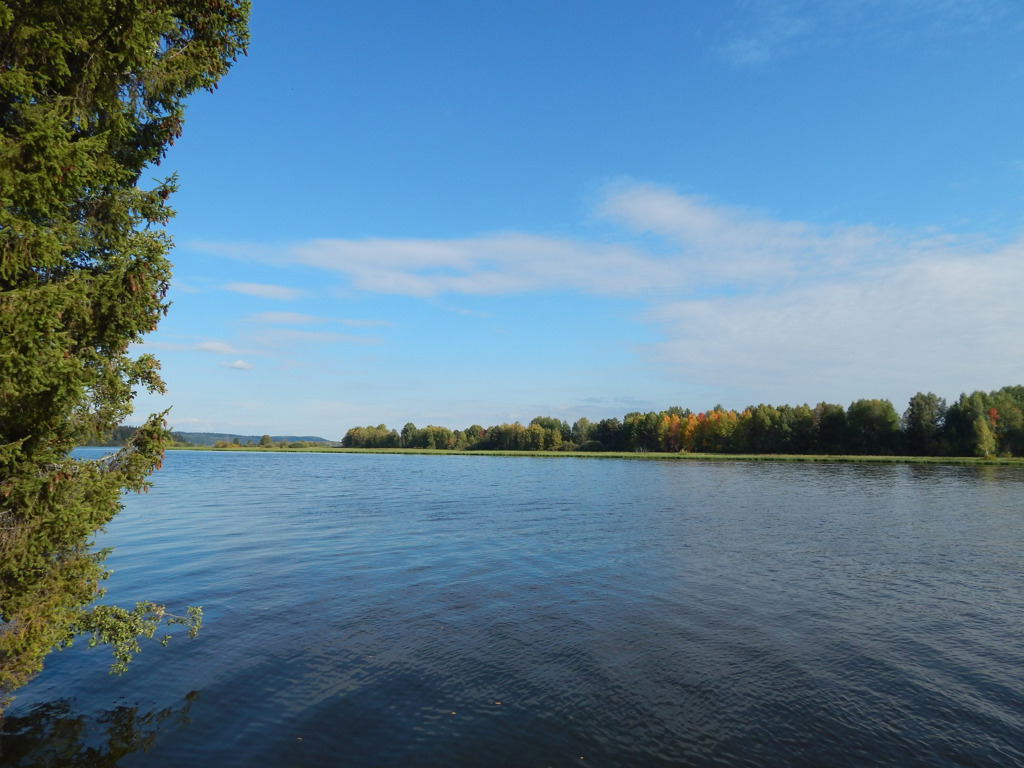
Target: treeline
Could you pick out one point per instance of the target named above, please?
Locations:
(212, 438)
(979, 424)
(269, 442)
(120, 435)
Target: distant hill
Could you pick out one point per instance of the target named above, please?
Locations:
(121, 434)
(210, 438)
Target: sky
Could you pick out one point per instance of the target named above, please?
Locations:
(460, 213)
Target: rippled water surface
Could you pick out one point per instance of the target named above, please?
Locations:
(365, 610)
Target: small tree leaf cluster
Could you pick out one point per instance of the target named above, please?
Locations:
(979, 424)
(92, 93)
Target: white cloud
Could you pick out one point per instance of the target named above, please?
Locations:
(743, 301)
(213, 347)
(491, 265)
(912, 330)
(263, 291)
(238, 365)
(937, 314)
(722, 244)
(706, 245)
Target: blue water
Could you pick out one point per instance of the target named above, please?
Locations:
(365, 610)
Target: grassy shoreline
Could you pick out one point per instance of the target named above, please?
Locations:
(648, 456)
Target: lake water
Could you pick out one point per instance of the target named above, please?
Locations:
(376, 610)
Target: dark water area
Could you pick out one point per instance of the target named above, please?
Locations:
(364, 610)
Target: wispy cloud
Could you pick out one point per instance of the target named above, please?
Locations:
(296, 318)
(216, 347)
(263, 291)
(238, 365)
(212, 346)
(286, 318)
(705, 246)
(292, 336)
(492, 265)
(770, 29)
(739, 298)
(719, 244)
(357, 323)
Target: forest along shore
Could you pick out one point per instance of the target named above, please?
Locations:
(984, 425)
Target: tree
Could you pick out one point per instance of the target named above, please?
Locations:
(758, 426)
(670, 431)
(474, 436)
(830, 423)
(551, 424)
(803, 433)
(608, 433)
(872, 426)
(962, 428)
(534, 439)
(1008, 404)
(922, 423)
(91, 94)
(432, 437)
(984, 439)
(266, 442)
(714, 430)
(581, 431)
(408, 435)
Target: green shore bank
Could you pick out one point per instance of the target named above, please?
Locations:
(639, 456)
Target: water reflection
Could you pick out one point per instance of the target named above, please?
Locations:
(368, 610)
(53, 735)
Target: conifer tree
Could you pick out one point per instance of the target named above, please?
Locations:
(92, 93)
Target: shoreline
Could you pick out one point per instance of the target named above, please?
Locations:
(638, 456)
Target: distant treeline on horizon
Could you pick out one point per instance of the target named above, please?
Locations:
(979, 424)
(121, 434)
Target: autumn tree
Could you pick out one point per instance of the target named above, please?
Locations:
(92, 93)
(670, 431)
(1008, 404)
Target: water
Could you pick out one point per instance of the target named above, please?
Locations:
(449, 610)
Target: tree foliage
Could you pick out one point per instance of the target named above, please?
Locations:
(91, 95)
(872, 427)
(978, 424)
(922, 423)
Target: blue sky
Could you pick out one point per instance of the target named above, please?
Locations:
(475, 212)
